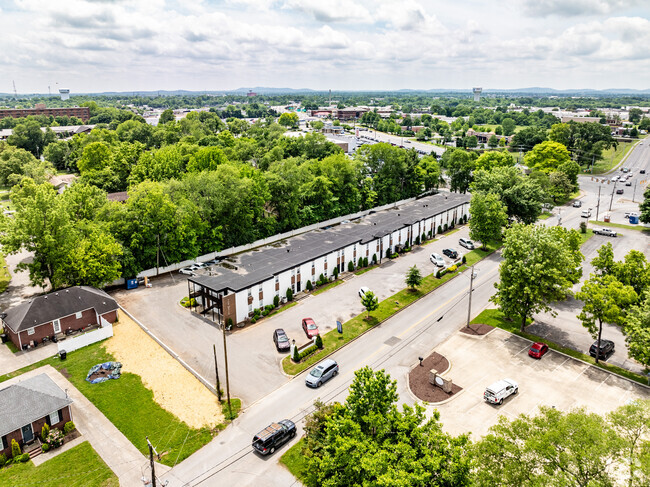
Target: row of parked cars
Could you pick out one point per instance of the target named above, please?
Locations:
(439, 261)
(191, 270)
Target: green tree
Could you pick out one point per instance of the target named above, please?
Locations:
(95, 157)
(206, 159)
(493, 141)
(634, 115)
(631, 422)
(370, 302)
(459, 168)
(537, 267)
(637, 332)
(508, 126)
(30, 137)
(166, 116)
(526, 139)
(604, 263)
(604, 301)
(547, 156)
(289, 119)
(645, 206)
(492, 159)
(553, 448)
(413, 278)
(488, 217)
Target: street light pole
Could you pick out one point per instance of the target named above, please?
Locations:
(471, 285)
(611, 200)
(598, 204)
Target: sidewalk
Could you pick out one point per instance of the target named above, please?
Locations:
(13, 361)
(112, 446)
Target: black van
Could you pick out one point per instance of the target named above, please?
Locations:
(273, 436)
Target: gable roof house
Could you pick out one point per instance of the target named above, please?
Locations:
(58, 313)
(26, 406)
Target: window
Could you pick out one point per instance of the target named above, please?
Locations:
(54, 418)
(250, 292)
(325, 259)
(293, 271)
(57, 326)
(78, 315)
(260, 288)
(30, 331)
(250, 308)
(313, 265)
(5, 443)
(277, 279)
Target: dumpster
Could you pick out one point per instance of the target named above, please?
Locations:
(634, 219)
(131, 283)
(63, 354)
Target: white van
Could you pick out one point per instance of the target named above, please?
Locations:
(497, 392)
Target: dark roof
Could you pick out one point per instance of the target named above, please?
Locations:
(29, 400)
(119, 197)
(263, 263)
(48, 307)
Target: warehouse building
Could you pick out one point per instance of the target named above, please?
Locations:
(252, 279)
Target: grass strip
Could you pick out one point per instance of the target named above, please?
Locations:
(586, 236)
(326, 287)
(496, 318)
(638, 228)
(130, 406)
(80, 465)
(333, 340)
(295, 461)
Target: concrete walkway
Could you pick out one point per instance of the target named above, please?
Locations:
(112, 446)
(10, 361)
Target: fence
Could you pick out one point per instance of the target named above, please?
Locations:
(259, 243)
(74, 343)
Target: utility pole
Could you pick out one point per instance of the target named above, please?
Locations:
(216, 371)
(611, 200)
(598, 204)
(157, 253)
(634, 192)
(151, 462)
(471, 285)
(225, 357)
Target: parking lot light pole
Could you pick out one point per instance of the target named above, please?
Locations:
(611, 200)
(471, 285)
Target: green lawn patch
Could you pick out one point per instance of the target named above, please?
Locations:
(354, 327)
(5, 277)
(453, 230)
(545, 216)
(611, 158)
(129, 405)
(295, 462)
(586, 236)
(366, 269)
(235, 405)
(280, 310)
(324, 288)
(80, 465)
(496, 318)
(13, 348)
(639, 228)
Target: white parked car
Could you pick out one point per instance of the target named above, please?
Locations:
(187, 271)
(467, 243)
(607, 232)
(497, 392)
(437, 260)
(585, 214)
(363, 290)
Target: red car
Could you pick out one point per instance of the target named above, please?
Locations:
(537, 350)
(310, 328)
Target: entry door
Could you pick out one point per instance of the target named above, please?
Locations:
(298, 286)
(28, 434)
(57, 326)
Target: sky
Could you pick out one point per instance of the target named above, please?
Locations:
(128, 45)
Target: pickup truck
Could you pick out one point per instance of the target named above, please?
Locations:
(607, 232)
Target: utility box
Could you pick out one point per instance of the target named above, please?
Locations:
(606, 218)
(131, 283)
(634, 220)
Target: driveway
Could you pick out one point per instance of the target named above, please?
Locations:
(555, 380)
(254, 364)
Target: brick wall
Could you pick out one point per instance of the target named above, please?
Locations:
(37, 426)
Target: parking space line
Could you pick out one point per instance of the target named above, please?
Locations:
(562, 364)
(584, 369)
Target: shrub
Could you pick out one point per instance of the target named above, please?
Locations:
(452, 224)
(45, 430)
(583, 227)
(374, 258)
(464, 260)
(453, 268)
(228, 325)
(24, 457)
(321, 280)
(407, 249)
(269, 307)
(424, 237)
(187, 302)
(350, 266)
(336, 273)
(440, 273)
(388, 252)
(289, 294)
(3, 459)
(417, 240)
(55, 438)
(265, 312)
(431, 233)
(440, 229)
(306, 352)
(394, 256)
(70, 426)
(256, 313)
(309, 286)
(276, 301)
(253, 320)
(45, 447)
(464, 218)
(296, 355)
(365, 262)
(446, 227)
(15, 449)
(319, 341)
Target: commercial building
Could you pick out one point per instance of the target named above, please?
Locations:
(80, 112)
(253, 279)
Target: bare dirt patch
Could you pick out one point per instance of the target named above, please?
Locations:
(419, 380)
(478, 329)
(174, 388)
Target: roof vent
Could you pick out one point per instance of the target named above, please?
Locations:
(67, 291)
(288, 250)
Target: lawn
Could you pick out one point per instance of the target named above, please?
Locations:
(358, 325)
(611, 158)
(545, 216)
(496, 318)
(639, 227)
(324, 288)
(5, 277)
(80, 465)
(295, 461)
(586, 236)
(366, 269)
(129, 405)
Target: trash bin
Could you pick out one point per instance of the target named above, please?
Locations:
(63, 354)
(131, 283)
(4, 337)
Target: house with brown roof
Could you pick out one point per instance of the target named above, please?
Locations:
(56, 314)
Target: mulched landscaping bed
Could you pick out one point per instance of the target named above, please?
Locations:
(419, 380)
(477, 329)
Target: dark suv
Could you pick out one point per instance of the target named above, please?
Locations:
(606, 349)
(451, 253)
(273, 436)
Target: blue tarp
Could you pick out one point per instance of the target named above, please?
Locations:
(114, 369)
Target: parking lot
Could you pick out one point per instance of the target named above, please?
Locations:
(554, 380)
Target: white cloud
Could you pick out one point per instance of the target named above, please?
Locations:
(576, 7)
